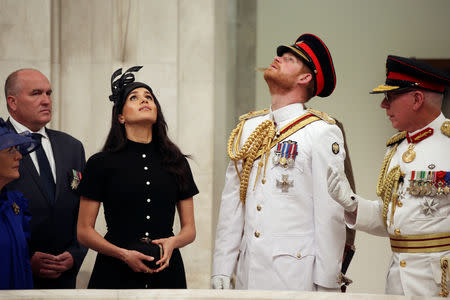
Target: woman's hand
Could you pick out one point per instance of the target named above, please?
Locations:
(168, 245)
(134, 260)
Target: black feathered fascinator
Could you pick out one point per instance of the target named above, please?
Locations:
(122, 86)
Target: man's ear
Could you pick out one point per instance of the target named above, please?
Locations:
(304, 78)
(419, 99)
(12, 104)
(121, 119)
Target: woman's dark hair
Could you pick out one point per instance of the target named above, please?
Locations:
(173, 160)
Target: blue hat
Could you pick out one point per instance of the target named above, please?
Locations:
(23, 141)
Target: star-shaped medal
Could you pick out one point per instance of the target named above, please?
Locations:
(429, 206)
(285, 183)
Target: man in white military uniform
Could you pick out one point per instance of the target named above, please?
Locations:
(414, 181)
(278, 227)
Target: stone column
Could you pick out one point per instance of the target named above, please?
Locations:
(78, 44)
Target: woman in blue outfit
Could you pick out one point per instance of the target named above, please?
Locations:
(142, 179)
(15, 268)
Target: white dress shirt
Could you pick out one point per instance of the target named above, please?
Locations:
(46, 145)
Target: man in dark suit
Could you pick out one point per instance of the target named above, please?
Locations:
(48, 178)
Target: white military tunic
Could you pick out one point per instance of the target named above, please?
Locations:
(289, 238)
(413, 273)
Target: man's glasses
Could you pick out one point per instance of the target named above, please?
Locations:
(391, 96)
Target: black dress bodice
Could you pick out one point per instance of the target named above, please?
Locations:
(139, 196)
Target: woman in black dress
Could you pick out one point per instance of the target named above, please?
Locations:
(140, 177)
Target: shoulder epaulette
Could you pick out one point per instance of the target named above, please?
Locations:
(254, 113)
(445, 128)
(396, 138)
(322, 115)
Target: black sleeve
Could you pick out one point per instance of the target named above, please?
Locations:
(92, 184)
(189, 189)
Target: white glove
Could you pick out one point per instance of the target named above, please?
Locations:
(220, 282)
(339, 188)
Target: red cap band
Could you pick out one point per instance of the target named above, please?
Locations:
(320, 81)
(421, 83)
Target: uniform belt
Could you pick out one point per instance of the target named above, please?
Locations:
(435, 242)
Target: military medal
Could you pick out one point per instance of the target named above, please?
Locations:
(422, 185)
(76, 178)
(413, 189)
(447, 183)
(277, 154)
(429, 183)
(431, 189)
(292, 154)
(446, 190)
(284, 183)
(409, 154)
(284, 154)
(440, 182)
(429, 206)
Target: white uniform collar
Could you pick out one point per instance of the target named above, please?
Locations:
(435, 124)
(22, 128)
(287, 112)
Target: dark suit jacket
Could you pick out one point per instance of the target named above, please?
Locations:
(53, 227)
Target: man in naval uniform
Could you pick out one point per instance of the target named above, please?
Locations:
(413, 184)
(278, 227)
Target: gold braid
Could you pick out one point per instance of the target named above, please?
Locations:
(384, 168)
(388, 184)
(444, 267)
(260, 138)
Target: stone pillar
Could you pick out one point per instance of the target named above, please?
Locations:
(24, 39)
(78, 44)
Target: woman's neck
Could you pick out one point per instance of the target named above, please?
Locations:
(139, 133)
